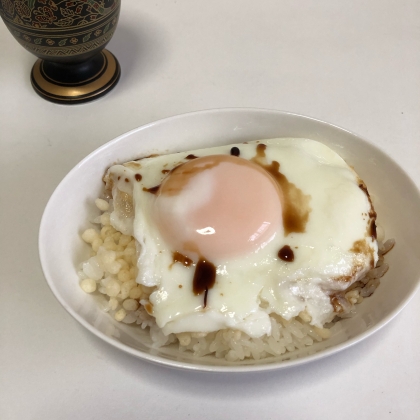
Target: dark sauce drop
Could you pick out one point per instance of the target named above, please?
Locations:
(286, 254)
(178, 257)
(138, 177)
(127, 180)
(191, 157)
(165, 171)
(235, 151)
(204, 278)
(152, 190)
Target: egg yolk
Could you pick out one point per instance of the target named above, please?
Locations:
(217, 207)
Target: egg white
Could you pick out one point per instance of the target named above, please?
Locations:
(250, 287)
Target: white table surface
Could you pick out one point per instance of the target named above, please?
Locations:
(355, 64)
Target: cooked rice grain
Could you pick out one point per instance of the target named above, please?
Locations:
(112, 271)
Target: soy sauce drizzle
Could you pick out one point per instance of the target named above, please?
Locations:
(372, 212)
(138, 177)
(295, 203)
(261, 150)
(235, 151)
(373, 229)
(286, 254)
(178, 257)
(191, 156)
(152, 190)
(204, 278)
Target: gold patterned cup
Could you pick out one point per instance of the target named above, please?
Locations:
(69, 37)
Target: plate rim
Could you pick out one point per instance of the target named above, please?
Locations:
(161, 361)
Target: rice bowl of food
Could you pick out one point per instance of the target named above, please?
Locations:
(233, 240)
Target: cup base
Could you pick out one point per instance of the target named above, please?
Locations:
(76, 83)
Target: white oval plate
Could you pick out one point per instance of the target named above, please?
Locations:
(71, 205)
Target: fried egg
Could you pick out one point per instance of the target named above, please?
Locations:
(229, 235)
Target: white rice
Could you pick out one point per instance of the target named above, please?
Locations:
(111, 271)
